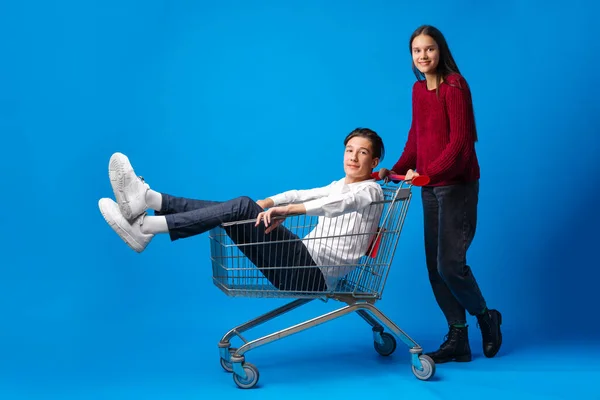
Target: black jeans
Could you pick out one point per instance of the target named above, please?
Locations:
(450, 219)
(188, 217)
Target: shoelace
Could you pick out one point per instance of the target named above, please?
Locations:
(447, 337)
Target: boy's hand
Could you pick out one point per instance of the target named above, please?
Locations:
(266, 217)
(383, 173)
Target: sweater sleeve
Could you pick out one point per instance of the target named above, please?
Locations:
(408, 159)
(451, 160)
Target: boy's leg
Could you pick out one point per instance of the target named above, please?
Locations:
(287, 263)
(280, 255)
(173, 205)
(182, 217)
(134, 196)
(190, 223)
(138, 233)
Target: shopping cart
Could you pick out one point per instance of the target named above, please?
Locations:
(236, 275)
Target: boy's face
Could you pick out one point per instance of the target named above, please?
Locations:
(358, 159)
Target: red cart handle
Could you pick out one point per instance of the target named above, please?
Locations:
(420, 180)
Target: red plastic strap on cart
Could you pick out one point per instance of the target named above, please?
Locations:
(421, 180)
(375, 242)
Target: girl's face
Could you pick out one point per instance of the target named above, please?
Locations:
(425, 54)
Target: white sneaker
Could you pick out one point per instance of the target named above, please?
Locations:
(131, 233)
(129, 189)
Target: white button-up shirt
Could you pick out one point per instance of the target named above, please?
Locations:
(346, 223)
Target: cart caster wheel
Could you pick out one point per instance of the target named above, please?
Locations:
(428, 368)
(252, 376)
(388, 346)
(227, 364)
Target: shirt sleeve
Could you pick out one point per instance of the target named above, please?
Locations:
(300, 196)
(340, 203)
(452, 159)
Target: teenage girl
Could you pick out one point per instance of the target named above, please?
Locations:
(441, 145)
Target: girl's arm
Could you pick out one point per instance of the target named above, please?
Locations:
(408, 159)
(452, 159)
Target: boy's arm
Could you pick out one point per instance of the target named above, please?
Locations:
(329, 206)
(295, 196)
(340, 203)
(291, 208)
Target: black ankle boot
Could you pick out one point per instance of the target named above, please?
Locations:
(455, 348)
(489, 322)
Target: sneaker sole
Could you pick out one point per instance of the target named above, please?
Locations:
(116, 174)
(126, 237)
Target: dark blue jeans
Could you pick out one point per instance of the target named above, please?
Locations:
(450, 219)
(188, 217)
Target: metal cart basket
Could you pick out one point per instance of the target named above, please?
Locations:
(359, 289)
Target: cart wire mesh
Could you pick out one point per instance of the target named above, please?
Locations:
(237, 276)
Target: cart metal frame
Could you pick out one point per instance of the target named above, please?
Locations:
(360, 289)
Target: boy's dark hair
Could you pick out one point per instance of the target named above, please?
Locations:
(374, 138)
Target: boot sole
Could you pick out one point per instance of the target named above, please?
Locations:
(466, 358)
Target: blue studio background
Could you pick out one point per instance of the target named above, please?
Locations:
(218, 99)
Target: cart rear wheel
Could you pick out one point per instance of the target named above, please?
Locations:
(252, 376)
(227, 364)
(428, 368)
(388, 346)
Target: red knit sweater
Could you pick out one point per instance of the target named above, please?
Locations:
(440, 141)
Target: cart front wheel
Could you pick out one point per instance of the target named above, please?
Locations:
(388, 346)
(252, 376)
(428, 368)
(227, 364)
